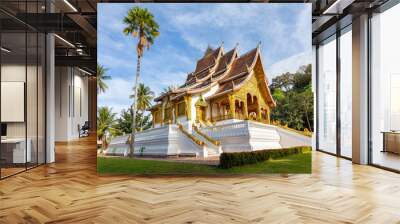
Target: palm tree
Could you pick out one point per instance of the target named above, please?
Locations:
(139, 23)
(144, 96)
(105, 122)
(101, 77)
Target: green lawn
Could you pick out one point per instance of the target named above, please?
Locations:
(298, 163)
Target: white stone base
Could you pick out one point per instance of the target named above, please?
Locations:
(240, 136)
(234, 135)
(167, 140)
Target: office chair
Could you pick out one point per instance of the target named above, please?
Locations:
(84, 130)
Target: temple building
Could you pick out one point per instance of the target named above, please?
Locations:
(223, 86)
(223, 106)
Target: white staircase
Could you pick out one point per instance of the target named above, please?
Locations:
(213, 147)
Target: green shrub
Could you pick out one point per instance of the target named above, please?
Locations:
(228, 160)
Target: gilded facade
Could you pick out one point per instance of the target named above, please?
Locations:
(224, 86)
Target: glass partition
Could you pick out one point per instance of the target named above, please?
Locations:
(327, 95)
(22, 101)
(385, 89)
(13, 94)
(346, 92)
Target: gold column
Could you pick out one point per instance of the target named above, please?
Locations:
(218, 111)
(162, 113)
(259, 118)
(211, 115)
(188, 100)
(268, 116)
(176, 112)
(258, 112)
(232, 105)
(245, 111)
(198, 114)
(153, 117)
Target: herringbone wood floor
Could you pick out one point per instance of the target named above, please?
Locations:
(70, 191)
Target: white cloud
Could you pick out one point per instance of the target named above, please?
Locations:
(108, 61)
(115, 13)
(290, 64)
(246, 24)
(117, 94)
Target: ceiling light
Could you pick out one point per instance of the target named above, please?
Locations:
(338, 6)
(79, 51)
(70, 5)
(5, 50)
(65, 41)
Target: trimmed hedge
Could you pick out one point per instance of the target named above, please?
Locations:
(228, 160)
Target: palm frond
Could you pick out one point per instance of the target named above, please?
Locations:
(101, 77)
(141, 23)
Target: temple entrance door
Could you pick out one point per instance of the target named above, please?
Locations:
(252, 105)
(201, 113)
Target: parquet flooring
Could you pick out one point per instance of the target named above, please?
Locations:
(70, 191)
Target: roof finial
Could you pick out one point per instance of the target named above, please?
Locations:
(237, 46)
(209, 50)
(221, 48)
(259, 46)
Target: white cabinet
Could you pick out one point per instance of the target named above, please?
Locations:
(19, 155)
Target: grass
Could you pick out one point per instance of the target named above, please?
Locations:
(298, 163)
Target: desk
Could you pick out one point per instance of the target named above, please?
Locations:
(13, 150)
(391, 141)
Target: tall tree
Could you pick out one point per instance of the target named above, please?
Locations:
(144, 96)
(101, 77)
(139, 23)
(105, 122)
(123, 124)
(294, 99)
(284, 82)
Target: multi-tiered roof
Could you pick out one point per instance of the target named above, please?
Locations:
(227, 70)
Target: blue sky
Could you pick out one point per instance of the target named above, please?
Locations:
(185, 32)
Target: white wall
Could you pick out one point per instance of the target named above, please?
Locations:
(71, 102)
(16, 73)
(12, 73)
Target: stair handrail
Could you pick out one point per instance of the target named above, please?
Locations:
(192, 137)
(213, 141)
